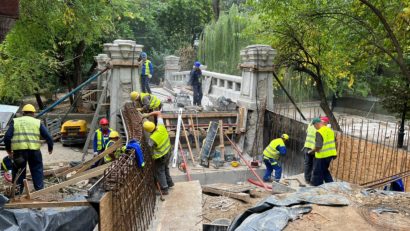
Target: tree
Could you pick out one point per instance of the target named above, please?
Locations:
(311, 45)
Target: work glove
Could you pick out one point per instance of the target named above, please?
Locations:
(149, 76)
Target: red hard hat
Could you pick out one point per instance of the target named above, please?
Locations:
(103, 121)
(324, 119)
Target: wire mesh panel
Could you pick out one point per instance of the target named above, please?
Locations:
(133, 188)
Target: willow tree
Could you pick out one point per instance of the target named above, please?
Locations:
(311, 45)
(221, 42)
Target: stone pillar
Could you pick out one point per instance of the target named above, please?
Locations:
(102, 62)
(124, 78)
(256, 85)
(171, 65)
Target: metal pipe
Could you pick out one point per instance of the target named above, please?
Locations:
(88, 81)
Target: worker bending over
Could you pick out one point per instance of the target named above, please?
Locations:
(148, 101)
(22, 141)
(114, 137)
(310, 142)
(324, 151)
(271, 156)
(160, 148)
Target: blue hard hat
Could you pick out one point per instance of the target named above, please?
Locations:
(143, 55)
(197, 64)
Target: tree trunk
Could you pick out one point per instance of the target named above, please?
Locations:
(216, 8)
(325, 106)
(78, 56)
(38, 99)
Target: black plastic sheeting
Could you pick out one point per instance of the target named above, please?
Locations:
(275, 212)
(74, 218)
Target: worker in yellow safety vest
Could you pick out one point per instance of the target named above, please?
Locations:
(271, 155)
(114, 137)
(160, 149)
(101, 136)
(309, 146)
(324, 151)
(22, 141)
(149, 102)
(147, 70)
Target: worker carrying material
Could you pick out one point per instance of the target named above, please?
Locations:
(147, 70)
(271, 155)
(160, 147)
(114, 137)
(324, 151)
(310, 142)
(22, 141)
(101, 136)
(195, 81)
(148, 101)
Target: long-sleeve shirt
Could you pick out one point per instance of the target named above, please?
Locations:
(151, 68)
(281, 149)
(195, 77)
(43, 133)
(95, 141)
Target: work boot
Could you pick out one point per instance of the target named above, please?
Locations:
(268, 180)
(171, 184)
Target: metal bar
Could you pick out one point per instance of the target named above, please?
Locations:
(92, 78)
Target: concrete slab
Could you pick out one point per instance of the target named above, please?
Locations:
(181, 210)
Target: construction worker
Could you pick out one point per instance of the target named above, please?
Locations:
(22, 141)
(114, 137)
(309, 146)
(101, 136)
(195, 81)
(326, 121)
(146, 72)
(271, 156)
(324, 151)
(6, 167)
(148, 101)
(160, 146)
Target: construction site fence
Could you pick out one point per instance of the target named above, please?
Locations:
(367, 149)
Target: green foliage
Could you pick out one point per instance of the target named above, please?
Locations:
(221, 42)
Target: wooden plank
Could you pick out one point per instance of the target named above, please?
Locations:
(240, 123)
(199, 115)
(109, 150)
(46, 204)
(167, 124)
(231, 187)
(89, 174)
(27, 188)
(240, 196)
(104, 166)
(52, 172)
(106, 215)
(221, 139)
(188, 143)
(198, 149)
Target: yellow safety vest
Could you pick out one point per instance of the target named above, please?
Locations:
(310, 137)
(4, 166)
(147, 70)
(329, 145)
(117, 153)
(161, 140)
(270, 151)
(154, 101)
(101, 139)
(26, 134)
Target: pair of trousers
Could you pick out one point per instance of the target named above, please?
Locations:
(35, 163)
(321, 171)
(197, 89)
(145, 84)
(272, 164)
(308, 164)
(162, 174)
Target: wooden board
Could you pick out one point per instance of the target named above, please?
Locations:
(199, 115)
(240, 196)
(208, 143)
(87, 175)
(41, 204)
(195, 132)
(231, 187)
(221, 139)
(105, 216)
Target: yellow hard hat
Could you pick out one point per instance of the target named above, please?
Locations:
(285, 136)
(235, 164)
(29, 108)
(114, 134)
(134, 95)
(149, 126)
